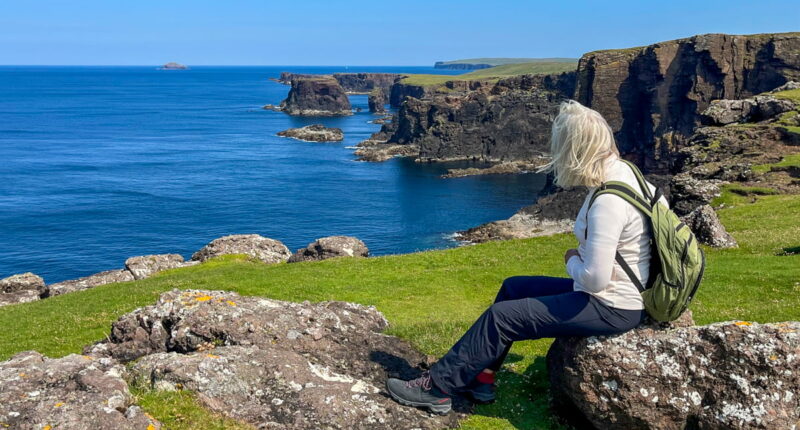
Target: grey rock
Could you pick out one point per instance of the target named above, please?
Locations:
(708, 229)
(270, 363)
(730, 375)
(314, 133)
(147, 265)
(688, 192)
(723, 112)
(91, 281)
(330, 247)
(23, 281)
(73, 392)
(770, 107)
(791, 85)
(21, 288)
(21, 296)
(268, 250)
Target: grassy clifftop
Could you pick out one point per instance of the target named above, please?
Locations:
(502, 61)
(494, 73)
(430, 298)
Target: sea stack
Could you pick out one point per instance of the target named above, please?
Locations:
(174, 66)
(316, 96)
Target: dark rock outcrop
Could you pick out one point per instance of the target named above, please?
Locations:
(331, 247)
(21, 288)
(364, 83)
(509, 120)
(267, 250)
(85, 283)
(73, 392)
(147, 265)
(317, 96)
(731, 375)
(377, 101)
(270, 363)
(551, 214)
(653, 96)
(314, 133)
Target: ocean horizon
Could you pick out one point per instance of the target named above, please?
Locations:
(102, 163)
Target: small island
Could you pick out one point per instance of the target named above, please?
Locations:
(314, 133)
(173, 66)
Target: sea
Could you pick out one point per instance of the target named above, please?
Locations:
(98, 164)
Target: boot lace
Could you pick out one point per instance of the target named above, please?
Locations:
(423, 381)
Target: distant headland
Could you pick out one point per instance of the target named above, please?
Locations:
(485, 63)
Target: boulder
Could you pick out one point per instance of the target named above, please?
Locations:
(270, 363)
(791, 85)
(21, 288)
(22, 282)
(724, 112)
(688, 192)
(708, 229)
(268, 250)
(330, 247)
(73, 392)
(91, 281)
(317, 96)
(147, 265)
(314, 133)
(730, 375)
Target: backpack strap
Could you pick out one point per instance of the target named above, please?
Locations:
(640, 179)
(628, 194)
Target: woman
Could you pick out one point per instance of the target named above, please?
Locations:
(597, 299)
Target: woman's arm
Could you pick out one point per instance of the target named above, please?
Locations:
(593, 268)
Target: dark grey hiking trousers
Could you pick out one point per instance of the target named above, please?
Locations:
(527, 307)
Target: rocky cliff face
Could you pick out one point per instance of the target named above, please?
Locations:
(507, 120)
(365, 82)
(361, 83)
(317, 96)
(652, 96)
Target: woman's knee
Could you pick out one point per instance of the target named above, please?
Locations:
(508, 288)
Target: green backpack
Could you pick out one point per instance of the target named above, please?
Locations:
(677, 262)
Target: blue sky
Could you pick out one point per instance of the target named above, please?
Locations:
(410, 32)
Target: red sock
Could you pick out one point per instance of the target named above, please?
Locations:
(485, 378)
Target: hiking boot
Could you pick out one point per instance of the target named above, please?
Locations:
(481, 393)
(420, 393)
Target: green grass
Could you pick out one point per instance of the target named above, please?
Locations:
(792, 160)
(524, 69)
(493, 73)
(502, 61)
(430, 298)
(793, 95)
(736, 194)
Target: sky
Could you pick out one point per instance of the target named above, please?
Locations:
(304, 32)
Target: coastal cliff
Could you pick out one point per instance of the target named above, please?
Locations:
(316, 96)
(652, 96)
(353, 83)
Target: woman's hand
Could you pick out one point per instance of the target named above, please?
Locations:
(570, 253)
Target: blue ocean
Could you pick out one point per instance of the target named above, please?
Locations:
(98, 164)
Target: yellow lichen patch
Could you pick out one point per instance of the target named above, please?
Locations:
(773, 357)
(212, 356)
(203, 298)
(231, 302)
(151, 427)
(47, 427)
(58, 405)
(744, 323)
(22, 375)
(86, 357)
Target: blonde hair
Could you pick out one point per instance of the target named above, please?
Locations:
(580, 143)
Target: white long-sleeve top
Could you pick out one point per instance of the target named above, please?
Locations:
(614, 225)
